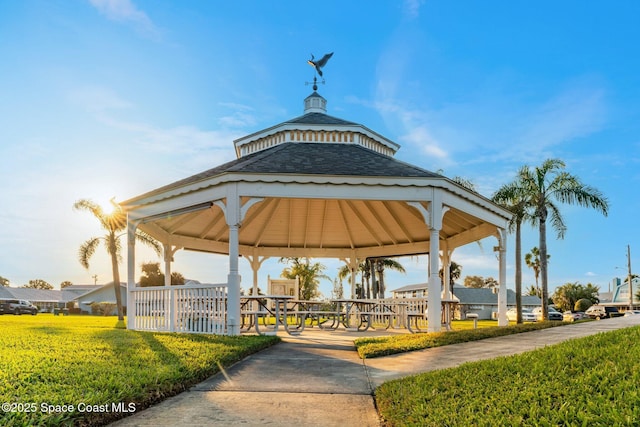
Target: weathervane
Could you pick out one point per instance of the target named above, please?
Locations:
(318, 65)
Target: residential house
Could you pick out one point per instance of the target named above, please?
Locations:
(78, 296)
(98, 294)
(44, 299)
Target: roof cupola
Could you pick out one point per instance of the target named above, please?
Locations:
(315, 103)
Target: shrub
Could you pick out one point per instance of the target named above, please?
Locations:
(582, 304)
(103, 308)
(383, 346)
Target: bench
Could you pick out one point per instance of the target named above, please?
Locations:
(415, 316)
(365, 317)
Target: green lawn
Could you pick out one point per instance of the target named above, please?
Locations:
(590, 381)
(48, 361)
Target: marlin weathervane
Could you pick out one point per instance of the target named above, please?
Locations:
(320, 63)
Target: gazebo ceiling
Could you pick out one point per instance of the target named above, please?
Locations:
(281, 226)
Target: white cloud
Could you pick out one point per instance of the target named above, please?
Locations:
(105, 105)
(568, 115)
(412, 8)
(125, 11)
(98, 100)
(501, 128)
(422, 138)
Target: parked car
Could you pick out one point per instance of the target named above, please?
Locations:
(527, 315)
(6, 305)
(602, 312)
(629, 313)
(573, 316)
(553, 313)
(17, 306)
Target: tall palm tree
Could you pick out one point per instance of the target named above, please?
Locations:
(542, 188)
(532, 259)
(388, 264)
(115, 225)
(508, 196)
(365, 270)
(344, 272)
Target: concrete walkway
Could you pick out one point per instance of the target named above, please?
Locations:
(317, 379)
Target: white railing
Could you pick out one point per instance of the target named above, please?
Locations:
(402, 306)
(200, 308)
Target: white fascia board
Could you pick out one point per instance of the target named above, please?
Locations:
(319, 187)
(333, 191)
(263, 181)
(177, 203)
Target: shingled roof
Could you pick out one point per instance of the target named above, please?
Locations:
(320, 119)
(311, 159)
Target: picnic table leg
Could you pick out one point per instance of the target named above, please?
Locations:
(365, 318)
(416, 319)
(335, 322)
(300, 324)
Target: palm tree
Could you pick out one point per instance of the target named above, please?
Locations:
(532, 259)
(344, 272)
(508, 196)
(308, 274)
(115, 225)
(533, 291)
(541, 188)
(389, 264)
(365, 270)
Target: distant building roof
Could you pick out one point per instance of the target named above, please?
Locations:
(410, 288)
(95, 289)
(30, 294)
(73, 291)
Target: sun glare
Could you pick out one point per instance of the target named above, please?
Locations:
(105, 202)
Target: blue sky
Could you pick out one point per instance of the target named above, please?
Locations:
(104, 99)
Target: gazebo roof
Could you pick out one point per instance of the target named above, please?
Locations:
(327, 159)
(315, 186)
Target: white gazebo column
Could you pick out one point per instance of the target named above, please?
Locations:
(447, 296)
(168, 252)
(234, 213)
(433, 219)
(434, 307)
(502, 291)
(353, 266)
(131, 271)
(256, 262)
(446, 271)
(233, 282)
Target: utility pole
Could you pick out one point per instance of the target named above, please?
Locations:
(629, 278)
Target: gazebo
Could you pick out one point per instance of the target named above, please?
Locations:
(314, 186)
